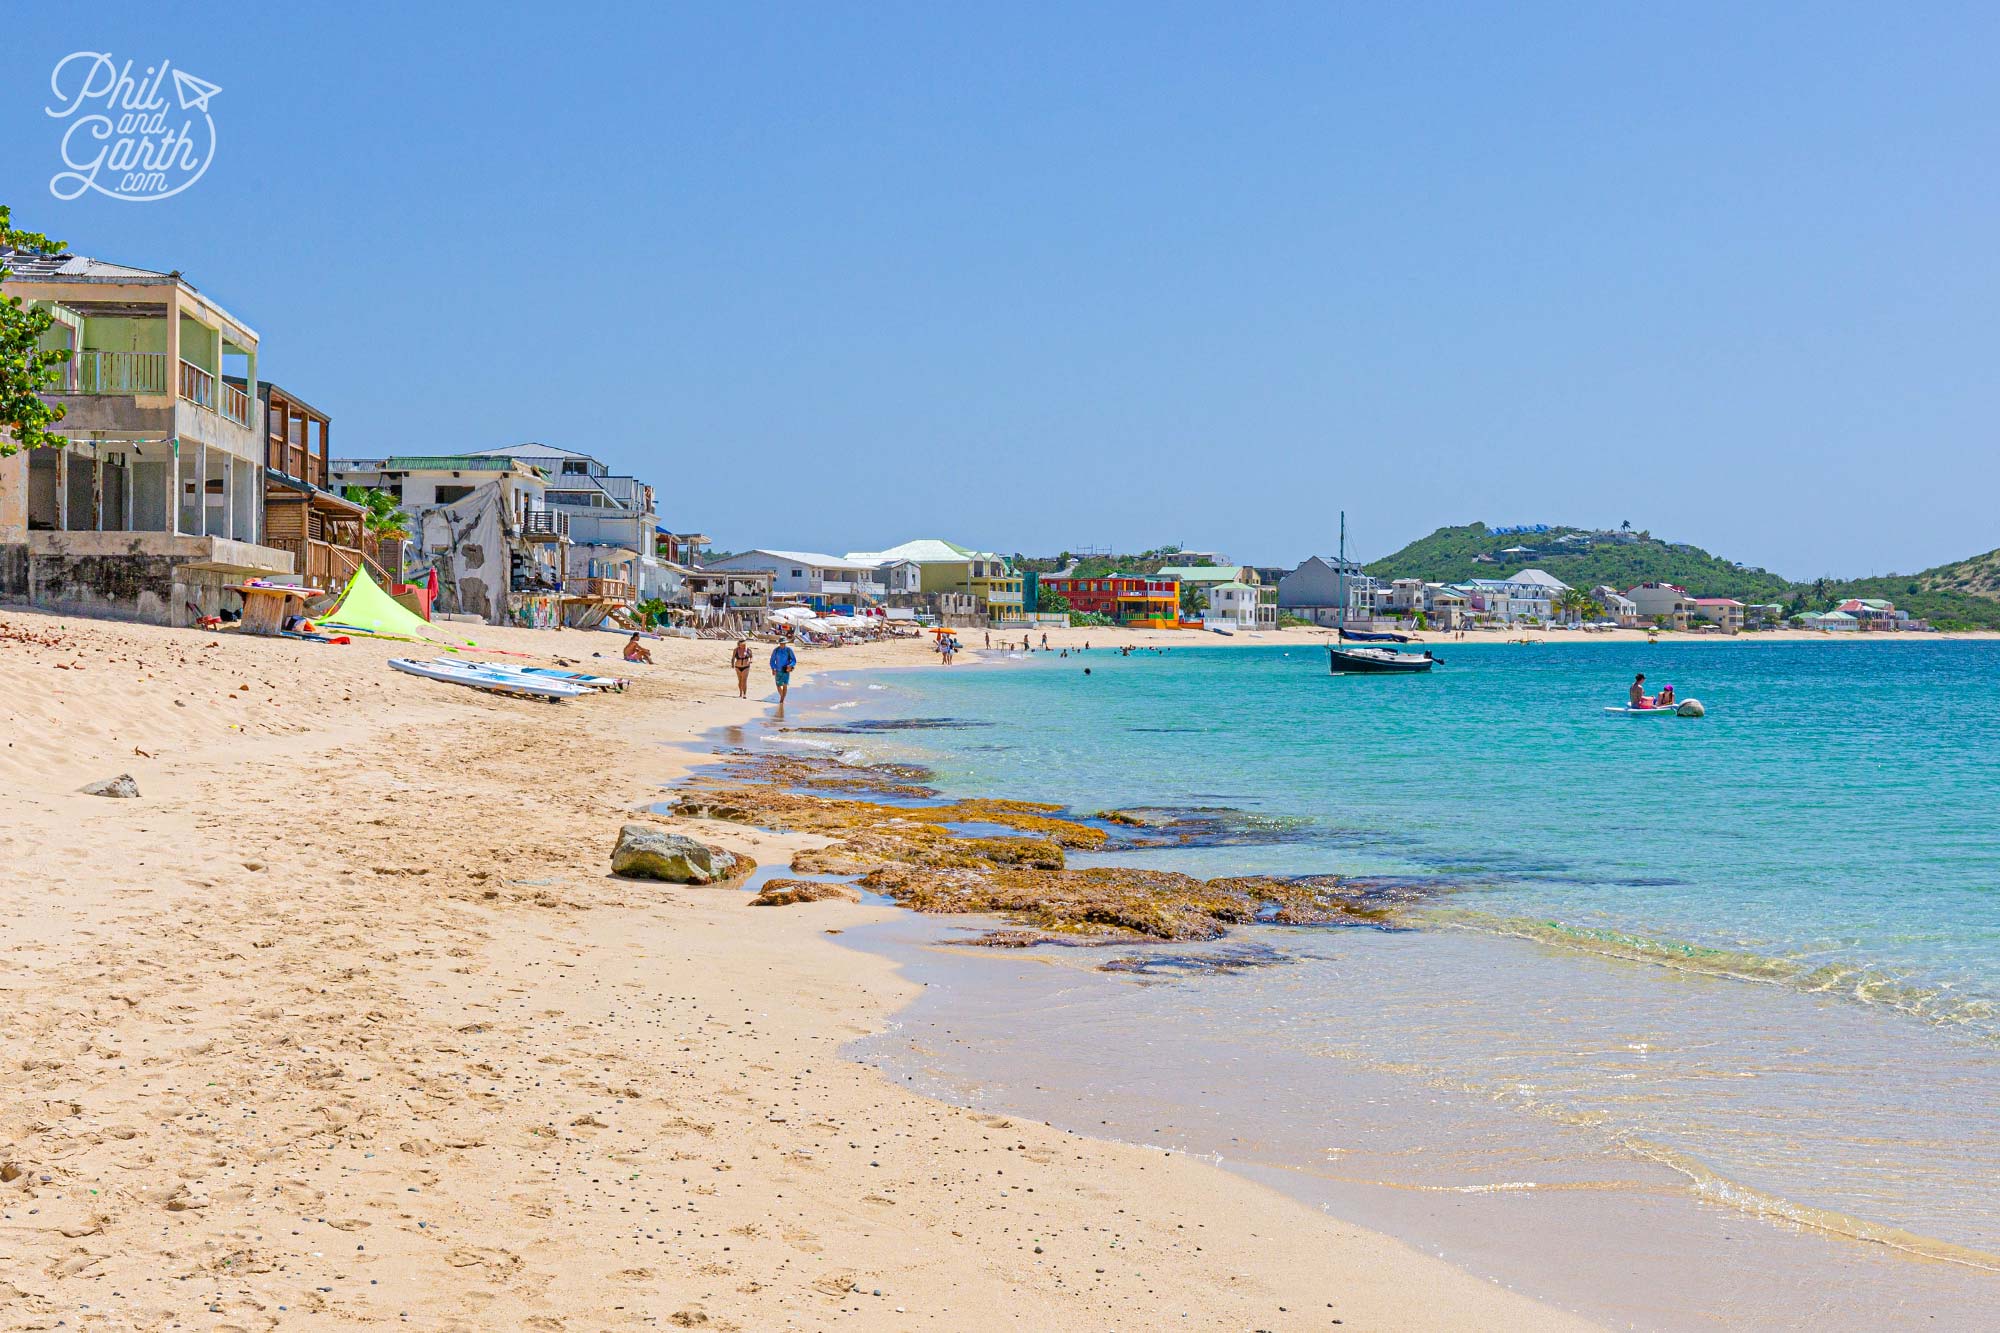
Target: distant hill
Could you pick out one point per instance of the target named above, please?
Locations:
(1580, 557)
(1978, 577)
(1097, 566)
(1965, 595)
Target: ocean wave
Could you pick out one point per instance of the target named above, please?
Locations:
(1933, 1004)
(1712, 1186)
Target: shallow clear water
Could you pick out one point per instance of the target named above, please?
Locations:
(1676, 974)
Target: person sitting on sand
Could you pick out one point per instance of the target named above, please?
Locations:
(638, 652)
(740, 659)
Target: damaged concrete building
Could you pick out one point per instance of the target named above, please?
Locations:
(484, 525)
(155, 503)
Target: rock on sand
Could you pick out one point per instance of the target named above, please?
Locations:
(646, 852)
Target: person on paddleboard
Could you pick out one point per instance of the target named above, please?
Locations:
(1637, 694)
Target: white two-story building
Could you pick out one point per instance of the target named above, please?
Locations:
(823, 580)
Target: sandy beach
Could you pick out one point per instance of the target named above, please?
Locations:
(344, 1022)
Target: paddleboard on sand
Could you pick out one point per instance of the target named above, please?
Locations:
(481, 677)
(583, 678)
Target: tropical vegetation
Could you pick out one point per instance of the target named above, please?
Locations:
(28, 371)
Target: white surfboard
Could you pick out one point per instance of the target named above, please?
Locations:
(484, 678)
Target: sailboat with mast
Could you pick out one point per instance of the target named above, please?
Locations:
(1366, 661)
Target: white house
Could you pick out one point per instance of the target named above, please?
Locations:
(1528, 595)
(1233, 605)
(827, 579)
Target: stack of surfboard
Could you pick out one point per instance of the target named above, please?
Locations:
(529, 682)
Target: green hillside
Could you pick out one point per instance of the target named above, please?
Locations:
(1965, 595)
(1098, 566)
(1581, 558)
(1978, 577)
(1962, 595)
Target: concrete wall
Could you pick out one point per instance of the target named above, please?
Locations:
(131, 575)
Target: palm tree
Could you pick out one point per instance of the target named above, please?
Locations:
(650, 612)
(1577, 605)
(384, 518)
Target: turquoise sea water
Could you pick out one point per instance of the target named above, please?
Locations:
(1837, 813)
(1749, 961)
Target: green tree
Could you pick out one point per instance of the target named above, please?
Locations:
(385, 517)
(1049, 602)
(651, 611)
(1577, 605)
(27, 369)
(1194, 600)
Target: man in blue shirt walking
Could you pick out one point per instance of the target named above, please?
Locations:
(783, 659)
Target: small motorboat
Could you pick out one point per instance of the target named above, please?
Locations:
(1377, 661)
(1371, 636)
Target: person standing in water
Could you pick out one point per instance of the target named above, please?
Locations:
(740, 659)
(783, 661)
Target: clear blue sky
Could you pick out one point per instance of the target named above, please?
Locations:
(1033, 277)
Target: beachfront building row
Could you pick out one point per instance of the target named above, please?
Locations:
(829, 583)
(1236, 605)
(535, 534)
(972, 584)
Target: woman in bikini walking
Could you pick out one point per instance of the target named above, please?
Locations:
(740, 659)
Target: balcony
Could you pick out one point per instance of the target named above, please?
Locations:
(611, 590)
(851, 587)
(235, 404)
(545, 525)
(294, 460)
(197, 385)
(132, 373)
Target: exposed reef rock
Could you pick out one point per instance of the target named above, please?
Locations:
(785, 892)
(942, 857)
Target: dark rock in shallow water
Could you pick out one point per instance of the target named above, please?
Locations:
(872, 726)
(1200, 826)
(1225, 961)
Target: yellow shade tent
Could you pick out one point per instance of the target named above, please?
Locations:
(364, 608)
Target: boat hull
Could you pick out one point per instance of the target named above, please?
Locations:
(1377, 662)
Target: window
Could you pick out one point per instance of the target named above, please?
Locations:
(452, 494)
(798, 573)
(575, 467)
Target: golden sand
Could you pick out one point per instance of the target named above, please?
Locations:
(343, 1022)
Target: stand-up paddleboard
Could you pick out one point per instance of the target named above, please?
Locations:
(481, 677)
(1668, 711)
(583, 678)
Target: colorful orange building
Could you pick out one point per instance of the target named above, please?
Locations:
(1126, 598)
